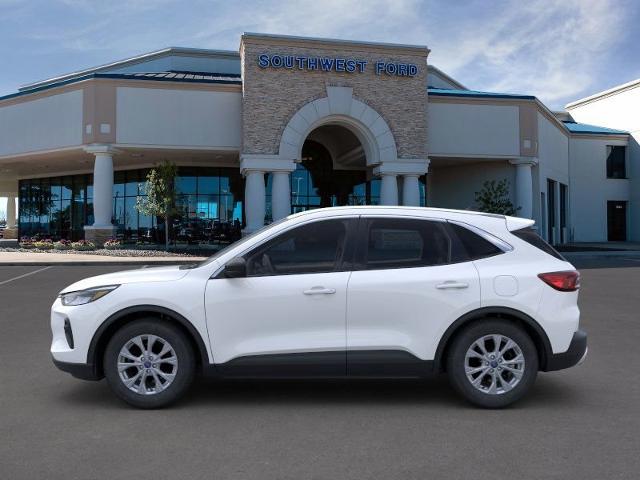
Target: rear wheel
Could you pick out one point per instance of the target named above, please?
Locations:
(149, 363)
(492, 363)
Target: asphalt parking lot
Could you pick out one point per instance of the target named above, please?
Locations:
(582, 423)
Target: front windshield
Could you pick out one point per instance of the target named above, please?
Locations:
(243, 240)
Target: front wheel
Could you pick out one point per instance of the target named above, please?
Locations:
(492, 363)
(149, 363)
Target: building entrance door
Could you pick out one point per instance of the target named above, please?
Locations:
(617, 221)
(319, 182)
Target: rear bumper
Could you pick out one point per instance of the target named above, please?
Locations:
(83, 371)
(574, 355)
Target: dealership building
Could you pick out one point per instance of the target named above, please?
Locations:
(290, 123)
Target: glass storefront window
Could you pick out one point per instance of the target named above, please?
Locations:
(210, 205)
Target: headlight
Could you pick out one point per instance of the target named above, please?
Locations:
(85, 296)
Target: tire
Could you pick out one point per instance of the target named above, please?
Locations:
(158, 379)
(500, 381)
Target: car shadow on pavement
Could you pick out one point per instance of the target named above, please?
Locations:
(432, 392)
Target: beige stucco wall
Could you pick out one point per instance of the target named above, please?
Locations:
(272, 96)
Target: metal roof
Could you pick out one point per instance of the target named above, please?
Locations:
(176, 75)
(444, 92)
(186, 77)
(575, 127)
(145, 57)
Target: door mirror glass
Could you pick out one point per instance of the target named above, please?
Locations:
(235, 268)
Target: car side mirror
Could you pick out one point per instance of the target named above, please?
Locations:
(235, 268)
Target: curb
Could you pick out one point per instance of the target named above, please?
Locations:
(610, 253)
(90, 263)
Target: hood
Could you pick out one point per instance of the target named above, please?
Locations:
(157, 274)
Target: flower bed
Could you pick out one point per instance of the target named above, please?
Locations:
(83, 245)
(113, 244)
(62, 245)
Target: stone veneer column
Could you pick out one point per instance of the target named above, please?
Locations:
(102, 228)
(524, 185)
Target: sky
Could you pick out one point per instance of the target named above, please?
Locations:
(558, 50)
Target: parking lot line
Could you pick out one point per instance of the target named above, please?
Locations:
(25, 275)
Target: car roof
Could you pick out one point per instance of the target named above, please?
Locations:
(399, 210)
(478, 218)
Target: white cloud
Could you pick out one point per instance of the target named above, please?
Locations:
(554, 49)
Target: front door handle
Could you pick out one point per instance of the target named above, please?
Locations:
(450, 284)
(319, 291)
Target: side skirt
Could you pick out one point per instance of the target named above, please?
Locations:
(339, 364)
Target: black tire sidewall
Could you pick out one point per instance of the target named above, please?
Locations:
(456, 362)
(179, 342)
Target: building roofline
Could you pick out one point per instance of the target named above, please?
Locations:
(445, 92)
(604, 93)
(475, 95)
(336, 41)
(131, 61)
(118, 76)
(446, 76)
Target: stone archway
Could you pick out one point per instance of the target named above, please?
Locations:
(340, 108)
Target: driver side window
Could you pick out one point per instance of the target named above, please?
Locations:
(316, 247)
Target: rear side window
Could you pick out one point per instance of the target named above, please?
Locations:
(405, 243)
(472, 245)
(530, 236)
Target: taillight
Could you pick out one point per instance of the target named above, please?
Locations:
(562, 281)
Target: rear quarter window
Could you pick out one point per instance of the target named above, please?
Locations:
(471, 246)
(530, 236)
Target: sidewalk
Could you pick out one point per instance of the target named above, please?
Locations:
(33, 258)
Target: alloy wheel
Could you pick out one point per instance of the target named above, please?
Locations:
(147, 364)
(494, 364)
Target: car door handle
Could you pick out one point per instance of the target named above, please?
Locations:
(319, 291)
(451, 285)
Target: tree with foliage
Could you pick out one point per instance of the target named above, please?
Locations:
(494, 198)
(160, 199)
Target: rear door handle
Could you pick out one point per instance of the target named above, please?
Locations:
(319, 291)
(452, 285)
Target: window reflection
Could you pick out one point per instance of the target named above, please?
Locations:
(209, 202)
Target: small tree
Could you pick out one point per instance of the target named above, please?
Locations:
(160, 193)
(494, 198)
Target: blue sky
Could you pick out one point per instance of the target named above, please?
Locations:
(557, 50)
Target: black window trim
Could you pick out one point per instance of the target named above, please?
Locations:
(359, 263)
(489, 237)
(346, 262)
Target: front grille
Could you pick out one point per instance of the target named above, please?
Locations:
(68, 333)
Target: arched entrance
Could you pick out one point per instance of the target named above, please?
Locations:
(333, 151)
(332, 171)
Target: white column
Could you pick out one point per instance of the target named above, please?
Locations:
(280, 195)
(103, 189)
(11, 211)
(254, 199)
(410, 190)
(524, 186)
(389, 189)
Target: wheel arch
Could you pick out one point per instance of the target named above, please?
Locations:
(531, 326)
(117, 320)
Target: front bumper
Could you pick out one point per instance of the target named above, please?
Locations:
(574, 355)
(83, 371)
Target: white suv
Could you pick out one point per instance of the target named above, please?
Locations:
(335, 292)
